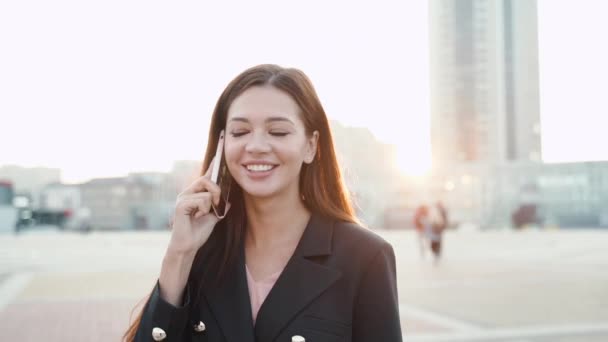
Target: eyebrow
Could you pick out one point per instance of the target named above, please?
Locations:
(270, 119)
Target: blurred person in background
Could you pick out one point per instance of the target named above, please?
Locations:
(289, 257)
(430, 221)
(420, 222)
(438, 223)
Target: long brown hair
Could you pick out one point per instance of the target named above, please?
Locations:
(321, 183)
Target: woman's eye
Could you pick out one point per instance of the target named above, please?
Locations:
(238, 134)
(278, 134)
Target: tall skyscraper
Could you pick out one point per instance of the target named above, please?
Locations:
(484, 81)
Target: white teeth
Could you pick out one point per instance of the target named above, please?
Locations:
(259, 167)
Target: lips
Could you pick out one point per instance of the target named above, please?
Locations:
(259, 170)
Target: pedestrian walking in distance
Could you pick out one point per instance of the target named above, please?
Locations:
(430, 221)
(435, 225)
(421, 217)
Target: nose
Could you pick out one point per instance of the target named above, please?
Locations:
(257, 143)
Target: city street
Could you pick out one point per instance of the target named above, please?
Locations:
(535, 286)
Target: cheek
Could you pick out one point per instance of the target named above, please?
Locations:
(231, 154)
(298, 151)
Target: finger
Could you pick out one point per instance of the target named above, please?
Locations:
(200, 195)
(199, 214)
(198, 205)
(186, 207)
(197, 196)
(200, 185)
(210, 216)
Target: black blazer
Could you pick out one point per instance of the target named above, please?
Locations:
(339, 285)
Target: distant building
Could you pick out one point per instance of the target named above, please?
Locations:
(59, 196)
(61, 204)
(562, 195)
(183, 173)
(125, 203)
(369, 171)
(30, 180)
(484, 81)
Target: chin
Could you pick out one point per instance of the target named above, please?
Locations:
(258, 191)
(261, 192)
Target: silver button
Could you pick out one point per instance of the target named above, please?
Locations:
(199, 327)
(158, 334)
(297, 338)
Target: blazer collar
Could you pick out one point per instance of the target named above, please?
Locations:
(301, 282)
(316, 239)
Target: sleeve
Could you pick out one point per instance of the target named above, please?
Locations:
(161, 317)
(376, 312)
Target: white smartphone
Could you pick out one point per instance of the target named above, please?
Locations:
(218, 159)
(220, 176)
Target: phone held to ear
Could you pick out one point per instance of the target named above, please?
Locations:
(221, 177)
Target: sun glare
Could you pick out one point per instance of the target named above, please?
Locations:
(412, 164)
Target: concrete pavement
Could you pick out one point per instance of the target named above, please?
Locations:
(490, 286)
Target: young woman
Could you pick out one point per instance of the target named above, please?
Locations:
(289, 260)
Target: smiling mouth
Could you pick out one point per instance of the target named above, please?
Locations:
(260, 167)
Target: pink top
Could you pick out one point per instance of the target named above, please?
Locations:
(258, 290)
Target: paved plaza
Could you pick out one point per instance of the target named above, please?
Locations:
(535, 286)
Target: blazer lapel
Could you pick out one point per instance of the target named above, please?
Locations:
(301, 281)
(230, 304)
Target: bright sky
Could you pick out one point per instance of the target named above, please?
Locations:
(104, 88)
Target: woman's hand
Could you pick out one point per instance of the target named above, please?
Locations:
(194, 219)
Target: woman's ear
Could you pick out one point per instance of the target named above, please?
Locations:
(311, 147)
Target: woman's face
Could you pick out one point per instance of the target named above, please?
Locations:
(266, 142)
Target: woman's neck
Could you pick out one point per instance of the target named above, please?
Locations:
(275, 221)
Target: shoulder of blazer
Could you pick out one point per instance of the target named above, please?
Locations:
(356, 236)
(357, 244)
